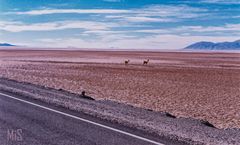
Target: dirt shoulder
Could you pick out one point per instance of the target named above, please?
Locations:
(183, 129)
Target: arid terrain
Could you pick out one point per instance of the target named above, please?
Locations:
(202, 85)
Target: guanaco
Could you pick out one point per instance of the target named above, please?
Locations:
(145, 61)
(127, 61)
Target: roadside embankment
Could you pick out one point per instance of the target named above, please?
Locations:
(163, 124)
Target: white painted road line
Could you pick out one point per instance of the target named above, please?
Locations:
(85, 120)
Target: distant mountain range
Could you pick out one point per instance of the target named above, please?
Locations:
(214, 46)
(203, 45)
(6, 44)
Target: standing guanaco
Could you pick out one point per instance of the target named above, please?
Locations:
(145, 61)
(127, 61)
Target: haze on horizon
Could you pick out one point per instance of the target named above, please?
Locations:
(130, 24)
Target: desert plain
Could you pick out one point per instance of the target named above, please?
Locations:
(200, 85)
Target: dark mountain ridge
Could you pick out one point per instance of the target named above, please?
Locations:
(6, 44)
(235, 45)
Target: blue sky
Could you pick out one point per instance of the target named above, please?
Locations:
(130, 24)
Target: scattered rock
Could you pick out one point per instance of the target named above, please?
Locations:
(149, 110)
(83, 95)
(170, 115)
(207, 123)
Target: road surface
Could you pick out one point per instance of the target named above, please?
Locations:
(26, 122)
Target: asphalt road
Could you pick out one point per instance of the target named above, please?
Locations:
(30, 122)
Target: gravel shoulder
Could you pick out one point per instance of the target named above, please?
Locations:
(189, 130)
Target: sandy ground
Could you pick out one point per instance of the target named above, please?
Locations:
(186, 84)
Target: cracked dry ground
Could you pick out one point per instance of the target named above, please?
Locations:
(199, 85)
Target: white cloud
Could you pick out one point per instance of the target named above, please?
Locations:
(221, 1)
(154, 31)
(236, 16)
(163, 13)
(235, 28)
(49, 26)
(171, 38)
(178, 11)
(66, 11)
(112, 0)
(153, 13)
(148, 19)
(160, 13)
(227, 27)
(114, 16)
(170, 42)
(102, 32)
